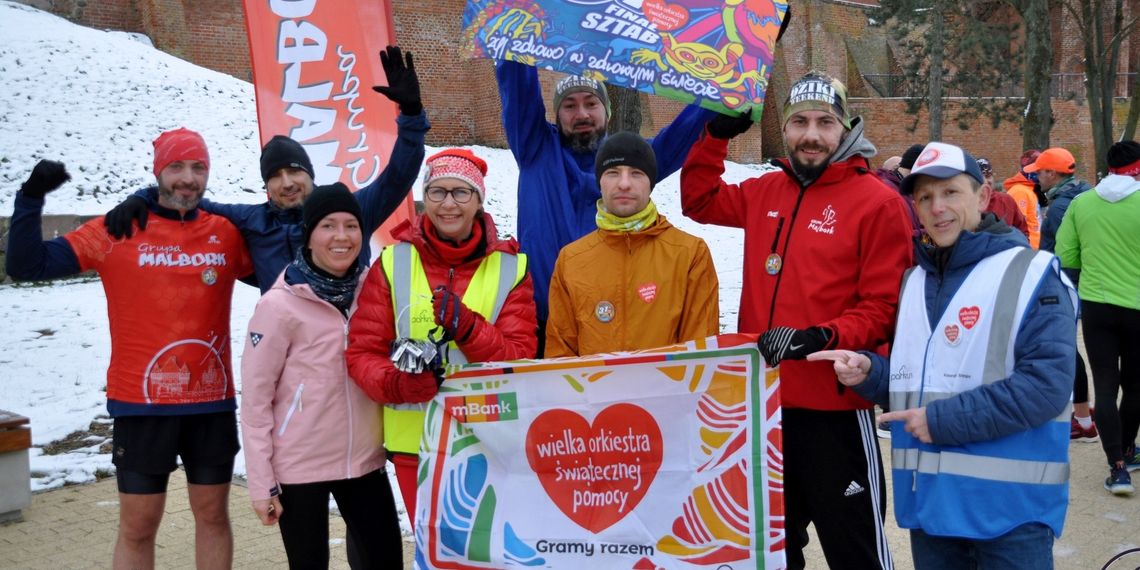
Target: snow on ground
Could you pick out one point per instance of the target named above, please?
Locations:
(95, 100)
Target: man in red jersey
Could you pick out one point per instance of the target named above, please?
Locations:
(825, 246)
(170, 384)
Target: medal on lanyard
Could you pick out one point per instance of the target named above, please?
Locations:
(775, 263)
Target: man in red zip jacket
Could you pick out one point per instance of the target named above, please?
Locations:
(825, 246)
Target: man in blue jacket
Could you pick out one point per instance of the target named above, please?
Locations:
(272, 229)
(978, 381)
(558, 192)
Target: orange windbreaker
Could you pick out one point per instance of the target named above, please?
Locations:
(1020, 189)
(616, 291)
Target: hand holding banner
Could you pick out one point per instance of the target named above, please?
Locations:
(717, 54)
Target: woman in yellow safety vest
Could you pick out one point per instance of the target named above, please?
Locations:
(449, 273)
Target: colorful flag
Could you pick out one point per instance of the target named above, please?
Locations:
(715, 53)
(314, 65)
(669, 458)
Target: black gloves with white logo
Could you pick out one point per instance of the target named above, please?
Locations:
(786, 343)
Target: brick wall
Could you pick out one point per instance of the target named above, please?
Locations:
(463, 103)
(887, 120)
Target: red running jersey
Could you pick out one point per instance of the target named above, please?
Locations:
(168, 301)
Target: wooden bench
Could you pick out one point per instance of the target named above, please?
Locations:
(15, 469)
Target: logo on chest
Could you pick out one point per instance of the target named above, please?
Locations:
(648, 292)
(969, 316)
(825, 224)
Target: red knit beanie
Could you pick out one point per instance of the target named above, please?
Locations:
(179, 144)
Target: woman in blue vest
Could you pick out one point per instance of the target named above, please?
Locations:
(448, 274)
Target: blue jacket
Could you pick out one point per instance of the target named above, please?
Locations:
(1059, 201)
(999, 453)
(273, 234)
(1044, 351)
(558, 192)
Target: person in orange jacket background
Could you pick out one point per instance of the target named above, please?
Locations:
(1020, 188)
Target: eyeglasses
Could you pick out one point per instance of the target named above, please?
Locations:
(460, 195)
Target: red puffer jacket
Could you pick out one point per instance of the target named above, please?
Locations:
(373, 326)
(844, 240)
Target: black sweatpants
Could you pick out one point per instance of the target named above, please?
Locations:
(369, 512)
(1081, 382)
(833, 478)
(1112, 338)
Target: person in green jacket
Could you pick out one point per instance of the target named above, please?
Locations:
(1098, 237)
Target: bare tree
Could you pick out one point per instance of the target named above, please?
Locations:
(952, 48)
(1103, 28)
(1133, 112)
(1037, 73)
(625, 109)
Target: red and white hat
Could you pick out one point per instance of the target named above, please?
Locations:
(941, 160)
(457, 163)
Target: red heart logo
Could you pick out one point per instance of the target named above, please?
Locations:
(969, 316)
(648, 292)
(596, 474)
(952, 333)
(665, 16)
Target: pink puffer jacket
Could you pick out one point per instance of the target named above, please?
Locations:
(303, 419)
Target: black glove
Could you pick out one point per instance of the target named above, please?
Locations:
(403, 83)
(46, 177)
(786, 343)
(728, 126)
(120, 220)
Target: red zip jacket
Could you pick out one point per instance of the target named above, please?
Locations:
(845, 241)
(373, 326)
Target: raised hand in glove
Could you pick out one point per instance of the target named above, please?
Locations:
(121, 219)
(403, 83)
(786, 343)
(451, 314)
(728, 126)
(46, 177)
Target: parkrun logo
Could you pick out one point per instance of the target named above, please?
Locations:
(483, 408)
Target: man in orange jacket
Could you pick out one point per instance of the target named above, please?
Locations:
(1020, 188)
(635, 282)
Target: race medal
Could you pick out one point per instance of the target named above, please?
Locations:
(773, 264)
(604, 311)
(209, 276)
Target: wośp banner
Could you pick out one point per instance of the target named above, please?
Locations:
(717, 53)
(669, 458)
(314, 65)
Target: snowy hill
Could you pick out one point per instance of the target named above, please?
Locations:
(95, 100)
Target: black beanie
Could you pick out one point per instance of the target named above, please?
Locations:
(911, 155)
(1123, 153)
(283, 152)
(626, 149)
(326, 200)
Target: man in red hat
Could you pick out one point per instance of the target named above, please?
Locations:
(170, 385)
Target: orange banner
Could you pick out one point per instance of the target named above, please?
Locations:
(314, 65)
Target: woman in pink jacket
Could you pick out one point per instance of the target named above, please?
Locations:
(307, 428)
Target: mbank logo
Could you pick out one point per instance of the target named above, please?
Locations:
(483, 407)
